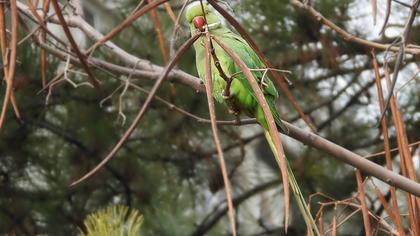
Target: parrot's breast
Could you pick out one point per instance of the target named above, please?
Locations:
(243, 99)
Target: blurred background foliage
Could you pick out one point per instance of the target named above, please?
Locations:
(168, 168)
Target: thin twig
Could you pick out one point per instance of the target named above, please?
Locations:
(387, 14)
(415, 76)
(363, 204)
(374, 5)
(139, 5)
(153, 70)
(377, 154)
(45, 6)
(212, 219)
(12, 60)
(176, 29)
(407, 165)
(406, 5)
(42, 25)
(209, 92)
(395, 216)
(236, 122)
(161, 37)
(405, 38)
(170, 12)
(346, 35)
(5, 53)
(129, 20)
(74, 46)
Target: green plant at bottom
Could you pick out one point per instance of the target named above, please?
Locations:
(113, 221)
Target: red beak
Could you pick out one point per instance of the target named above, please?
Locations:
(199, 23)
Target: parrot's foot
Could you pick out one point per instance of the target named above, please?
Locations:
(233, 112)
(226, 95)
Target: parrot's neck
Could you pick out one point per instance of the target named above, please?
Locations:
(217, 29)
(214, 26)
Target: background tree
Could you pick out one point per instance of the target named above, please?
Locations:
(168, 168)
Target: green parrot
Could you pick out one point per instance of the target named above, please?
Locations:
(239, 96)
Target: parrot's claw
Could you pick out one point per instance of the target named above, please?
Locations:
(226, 97)
(233, 112)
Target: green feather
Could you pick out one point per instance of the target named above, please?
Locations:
(306, 213)
(243, 96)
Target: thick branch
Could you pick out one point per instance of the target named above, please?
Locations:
(353, 159)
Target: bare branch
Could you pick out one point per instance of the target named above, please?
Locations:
(149, 70)
(11, 69)
(347, 36)
(387, 14)
(395, 215)
(5, 54)
(74, 45)
(362, 199)
(140, 114)
(402, 50)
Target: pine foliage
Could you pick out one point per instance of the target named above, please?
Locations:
(117, 220)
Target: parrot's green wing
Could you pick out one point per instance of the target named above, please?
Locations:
(303, 207)
(250, 58)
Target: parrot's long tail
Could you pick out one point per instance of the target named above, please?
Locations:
(310, 222)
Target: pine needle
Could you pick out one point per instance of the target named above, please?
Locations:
(113, 220)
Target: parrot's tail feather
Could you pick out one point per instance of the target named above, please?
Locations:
(304, 210)
(282, 127)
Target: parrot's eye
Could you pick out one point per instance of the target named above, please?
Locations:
(199, 23)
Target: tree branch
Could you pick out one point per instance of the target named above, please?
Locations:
(150, 71)
(346, 35)
(354, 160)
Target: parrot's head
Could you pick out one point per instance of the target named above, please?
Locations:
(195, 17)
